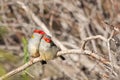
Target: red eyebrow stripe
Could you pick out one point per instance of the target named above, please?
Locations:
(42, 32)
(36, 31)
(39, 31)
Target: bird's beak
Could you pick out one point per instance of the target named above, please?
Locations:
(32, 36)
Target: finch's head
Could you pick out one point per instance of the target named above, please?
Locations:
(47, 38)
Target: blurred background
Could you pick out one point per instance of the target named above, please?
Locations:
(70, 21)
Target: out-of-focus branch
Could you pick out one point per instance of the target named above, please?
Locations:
(41, 24)
(35, 19)
(91, 38)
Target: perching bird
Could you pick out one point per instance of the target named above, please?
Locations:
(48, 50)
(33, 43)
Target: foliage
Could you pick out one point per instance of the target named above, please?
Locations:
(3, 31)
(26, 55)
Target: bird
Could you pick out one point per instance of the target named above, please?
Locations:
(33, 43)
(47, 48)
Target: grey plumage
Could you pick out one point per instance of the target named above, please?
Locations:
(33, 44)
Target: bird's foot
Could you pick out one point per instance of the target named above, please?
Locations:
(31, 61)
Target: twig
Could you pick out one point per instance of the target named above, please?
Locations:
(30, 74)
(109, 51)
(37, 21)
(91, 38)
(108, 45)
(92, 41)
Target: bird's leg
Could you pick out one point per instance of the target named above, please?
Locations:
(31, 59)
(35, 55)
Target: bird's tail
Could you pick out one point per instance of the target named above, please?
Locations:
(43, 62)
(63, 58)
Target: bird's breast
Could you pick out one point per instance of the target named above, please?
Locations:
(47, 55)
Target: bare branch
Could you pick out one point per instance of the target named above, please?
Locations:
(72, 51)
(91, 38)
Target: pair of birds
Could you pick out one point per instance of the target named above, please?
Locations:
(41, 45)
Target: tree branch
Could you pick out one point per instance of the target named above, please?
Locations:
(72, 51)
